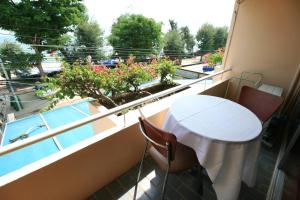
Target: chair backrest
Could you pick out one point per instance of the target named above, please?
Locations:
(262, 104)
(159, 138)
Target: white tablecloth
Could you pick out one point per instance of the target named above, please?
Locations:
(225, 137)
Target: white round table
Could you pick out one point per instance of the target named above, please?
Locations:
(224, 135)
(216, 118)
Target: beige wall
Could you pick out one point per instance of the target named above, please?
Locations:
(266, 39)
(219, 90)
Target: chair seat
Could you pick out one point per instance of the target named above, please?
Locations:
(169, 155)
(262, 104)
(185, 158)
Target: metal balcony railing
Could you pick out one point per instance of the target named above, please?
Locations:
(53, 132)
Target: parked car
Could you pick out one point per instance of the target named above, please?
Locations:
(111, 63)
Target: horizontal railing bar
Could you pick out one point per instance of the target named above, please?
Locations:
(53, 132)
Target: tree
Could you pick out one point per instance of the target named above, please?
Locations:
(136, 35)
(90, 36)
(220, 37)
(14, 57)
(69, 50)
(40, 23)
(188, 39)
(205, 37)
(173, 24)
(173, 43)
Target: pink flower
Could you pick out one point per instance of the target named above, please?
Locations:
(99, 68)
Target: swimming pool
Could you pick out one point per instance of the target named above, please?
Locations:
(41, 122)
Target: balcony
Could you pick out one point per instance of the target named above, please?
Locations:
(104, 166)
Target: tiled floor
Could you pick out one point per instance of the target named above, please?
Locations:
(184, 185)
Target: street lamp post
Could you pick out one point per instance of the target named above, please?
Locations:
(9, 84)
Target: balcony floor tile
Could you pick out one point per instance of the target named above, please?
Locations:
(184, 185)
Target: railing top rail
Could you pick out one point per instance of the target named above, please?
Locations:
(53, 132)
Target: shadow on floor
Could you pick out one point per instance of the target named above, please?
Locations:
(184, 185)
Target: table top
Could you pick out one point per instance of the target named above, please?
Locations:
(216, 118)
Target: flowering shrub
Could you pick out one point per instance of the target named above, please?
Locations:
(81, 81)
(99, 68)
(217, 57)
(205, 58)
(106, 84)
(114, 82)
(136, 74)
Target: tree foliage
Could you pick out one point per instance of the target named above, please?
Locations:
(188, 39)
(14, 57)
(205, 37)
(220, 37)
(136, 32)
(90, 37)
(173, 42)
(178, 41)
(173, 25)
(40, 22)
(211, 38)
(174, 45)
(69, 50)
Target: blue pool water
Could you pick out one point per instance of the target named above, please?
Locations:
(54, 118)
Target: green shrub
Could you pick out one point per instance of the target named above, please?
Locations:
(166, 70)
(216, 57)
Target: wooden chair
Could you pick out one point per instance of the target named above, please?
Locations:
(169, 155)
(262, 104)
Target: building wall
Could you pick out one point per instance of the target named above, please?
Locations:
(218, 91)
(266, 39)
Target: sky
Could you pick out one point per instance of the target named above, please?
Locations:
(191, 13)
